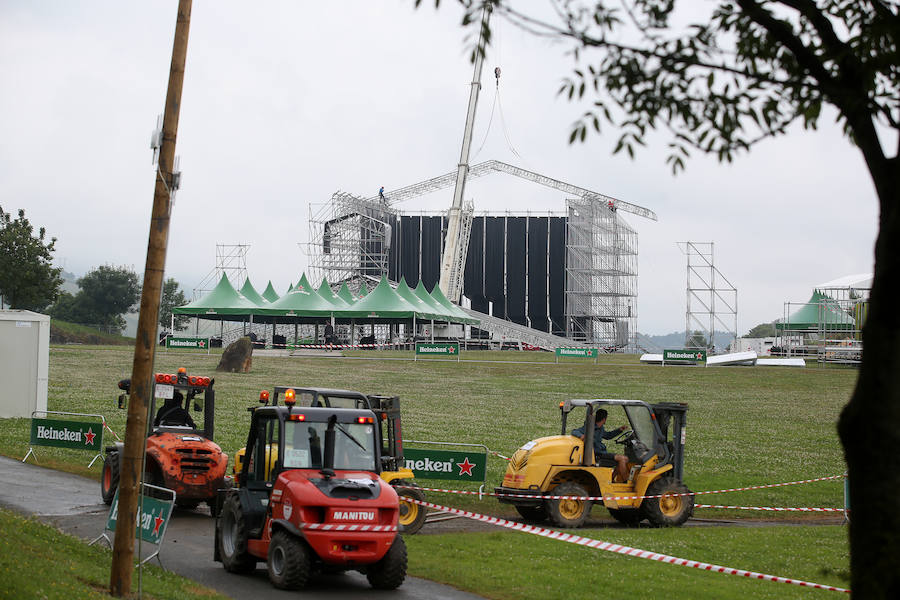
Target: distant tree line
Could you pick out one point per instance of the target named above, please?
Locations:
(29, 281)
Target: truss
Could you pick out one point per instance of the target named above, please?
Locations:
(231, 261)
(710, 297)
(495, 166)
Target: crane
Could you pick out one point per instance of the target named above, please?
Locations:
(453, 259)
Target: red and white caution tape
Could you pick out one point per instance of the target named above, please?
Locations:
(111, 431)
(771, 508)
(347, 527)
(600, 545)
(326, 346)
(629, 497)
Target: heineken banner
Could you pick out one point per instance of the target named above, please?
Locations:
(438, 349)
(195, 343)
(152, 517)
(580, 352)
(76, 435)
(684, 356)
(446, 464)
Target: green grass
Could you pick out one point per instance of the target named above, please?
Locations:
(38, 561)
(519, 566)
(746, 426)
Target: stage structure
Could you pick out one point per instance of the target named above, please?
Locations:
(231, 260)
(828, 327)
(571, 273)
(711, 299)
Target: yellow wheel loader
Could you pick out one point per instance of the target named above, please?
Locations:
(545, 469)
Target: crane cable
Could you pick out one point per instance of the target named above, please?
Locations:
(493, 106)
(497, 103)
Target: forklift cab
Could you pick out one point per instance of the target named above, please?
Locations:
(647, 433)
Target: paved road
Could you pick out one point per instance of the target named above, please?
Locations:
(73, 504)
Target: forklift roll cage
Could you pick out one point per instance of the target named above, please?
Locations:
(650, 423)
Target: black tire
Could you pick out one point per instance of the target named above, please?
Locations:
(412, 515)
(288, 561)
(627, 516)
(153, 476)
(667, 511)
(232, 538)
(389, 572)
(109, 479)
(535, 514)
(568, 513)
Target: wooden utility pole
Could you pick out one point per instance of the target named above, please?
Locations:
(145, 344)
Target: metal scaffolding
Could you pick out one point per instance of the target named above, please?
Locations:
(710, 297)
(231, 261)
(350, 237)
(834, 335)
(601, 275)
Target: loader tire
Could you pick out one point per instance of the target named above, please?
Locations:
(232, 538)
(389, 572)
(412, 515)
(668, 510)
(288, 563)
(570, 512)
(109, 480)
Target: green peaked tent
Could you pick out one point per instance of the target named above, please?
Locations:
(222, 303)
(250, 293)
(346, 295)
(325, 291)
(819, 311)
(436, 308)
(270, 294)
(461, 315)
(423, 309)
(302, 302)
(382, 302)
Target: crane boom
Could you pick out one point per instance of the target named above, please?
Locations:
(453, 259)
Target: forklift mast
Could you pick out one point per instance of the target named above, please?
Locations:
(676, 412)
(387, 410)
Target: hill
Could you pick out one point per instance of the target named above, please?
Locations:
(62, 332)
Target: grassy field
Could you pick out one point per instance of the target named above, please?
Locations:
(746, 426)
(69, 569)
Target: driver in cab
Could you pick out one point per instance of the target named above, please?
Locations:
(600, 451)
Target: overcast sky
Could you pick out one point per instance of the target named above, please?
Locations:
(285, 103)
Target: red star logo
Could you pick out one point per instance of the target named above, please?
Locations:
(465, 467)
(158, 522)
(89, 436)
(451, 350)
(201, 344)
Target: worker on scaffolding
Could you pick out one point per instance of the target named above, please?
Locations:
(381, 194)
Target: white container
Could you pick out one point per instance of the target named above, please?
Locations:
(24, 362)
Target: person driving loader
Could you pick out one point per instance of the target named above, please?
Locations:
(173, 413)
(600, 451)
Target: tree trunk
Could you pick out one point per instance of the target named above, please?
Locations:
(869, 426)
